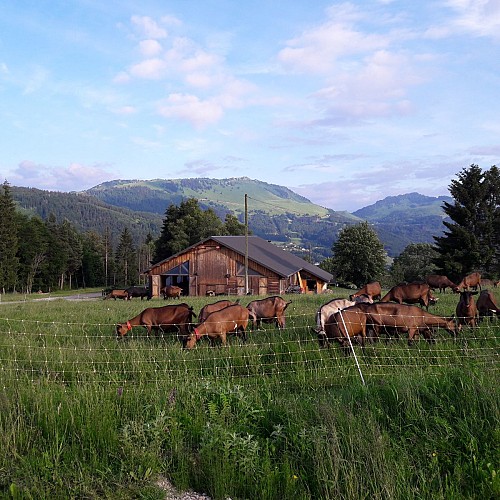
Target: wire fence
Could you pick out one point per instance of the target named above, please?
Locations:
(76, 353)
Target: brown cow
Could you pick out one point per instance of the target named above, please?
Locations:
(177, 317)
(118, 294)
(486, 305)
(231, 319)
(485, 283)
(466, 309)
(440, 282)
(404, 318)
(268, 310)
(216, 306)
(331, 307)
(171, 292)
(372, 290)
(410, 293)
(496, 283)
(472, 280)
(349, 322)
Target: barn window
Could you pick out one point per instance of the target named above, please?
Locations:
(251, 272)
(181, 270)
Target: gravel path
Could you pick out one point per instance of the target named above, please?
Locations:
(172, 494)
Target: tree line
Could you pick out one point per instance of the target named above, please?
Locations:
(47, 255)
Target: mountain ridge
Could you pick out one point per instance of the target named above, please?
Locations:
(275, 212)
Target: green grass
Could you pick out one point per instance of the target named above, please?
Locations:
(83, 415)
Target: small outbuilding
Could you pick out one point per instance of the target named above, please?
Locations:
(216, 266)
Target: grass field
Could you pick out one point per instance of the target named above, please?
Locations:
(84, 415)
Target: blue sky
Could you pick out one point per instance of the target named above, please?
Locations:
(343, 102)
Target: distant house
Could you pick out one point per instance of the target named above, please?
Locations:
(216, 265)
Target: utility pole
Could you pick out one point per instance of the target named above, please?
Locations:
(246, 244)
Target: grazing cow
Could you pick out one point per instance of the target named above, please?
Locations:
(472, 280)
(372, 290)
(138, 291)
(486, 305)
(467, 309)
(331, 307)
(268, 310)
(349, 322)
(171, 292)
(117, 294)
(216, 306)
(407, 319)
(496, 283)
(440, 282)
(231, 319)
(485, 283)
(177, 318)
(410, 293)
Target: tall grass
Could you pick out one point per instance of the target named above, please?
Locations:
(83, 415)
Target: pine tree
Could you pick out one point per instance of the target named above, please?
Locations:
(126, 260)
(471, 239)
(32, 253)
(92, 269)
(9, 262)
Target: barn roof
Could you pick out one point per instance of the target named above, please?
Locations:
(264, 253)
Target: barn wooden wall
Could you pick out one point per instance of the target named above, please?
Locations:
(213, 268)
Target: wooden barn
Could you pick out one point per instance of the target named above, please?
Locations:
(216, 266)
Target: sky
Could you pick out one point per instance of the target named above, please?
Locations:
(345, 103)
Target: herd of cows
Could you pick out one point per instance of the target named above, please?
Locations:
(365, 315)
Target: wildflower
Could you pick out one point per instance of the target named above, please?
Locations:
(294, 477)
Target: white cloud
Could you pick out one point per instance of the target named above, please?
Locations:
(190, 108)
(75, 177)
(150, 48)
(320, 48)
(149, 27)
(150, 69)
(480, 17)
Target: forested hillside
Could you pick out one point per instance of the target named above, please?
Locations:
(87, 213)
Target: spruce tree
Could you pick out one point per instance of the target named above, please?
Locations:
(9, 262)
(471, 240)
(126, 260)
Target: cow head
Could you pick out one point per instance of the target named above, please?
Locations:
(123, 328)
(322, 339)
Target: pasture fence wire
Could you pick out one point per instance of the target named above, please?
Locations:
(78, 352)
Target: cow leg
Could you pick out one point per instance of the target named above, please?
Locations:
(411, 336)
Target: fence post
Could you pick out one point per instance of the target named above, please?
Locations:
(352, 348)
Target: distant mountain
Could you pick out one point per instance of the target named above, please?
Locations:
(274, 212)
(410, 207)
(410, 217)
(222, 195)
